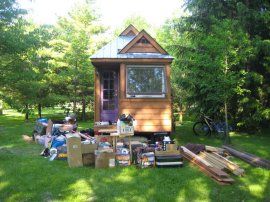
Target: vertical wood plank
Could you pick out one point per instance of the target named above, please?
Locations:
(97, 96)
(122, 80)
(168, 78)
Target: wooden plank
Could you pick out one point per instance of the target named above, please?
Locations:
(131, 60)
(145, 111)
(145, 104)
(141, 49)
(144, 116)
(122, 85)
(209, 171)
(213, 149)
(153, 122)
(168, 79)
(146, 128)
(97, 97)
(153, 100)
(192, 155)
(251, 159)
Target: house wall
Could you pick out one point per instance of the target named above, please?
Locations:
(151, 114)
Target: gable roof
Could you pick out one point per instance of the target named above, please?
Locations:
(130, 31)
(145, 35)
(132, 44)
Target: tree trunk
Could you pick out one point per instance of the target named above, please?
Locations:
(227, 139)
(75, 81)
(83, 109)
(1, 107)
(39, 110)
(26, 112)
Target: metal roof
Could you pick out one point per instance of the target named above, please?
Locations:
(111, 50)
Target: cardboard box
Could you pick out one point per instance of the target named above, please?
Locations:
(167, 153)
(105, 160)
(123, 130)
(89, 148)
(74, 150)
(171, 147)
(88, 159)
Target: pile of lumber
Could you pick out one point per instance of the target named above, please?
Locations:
(206, 167)
(222, 163)
(249, 158)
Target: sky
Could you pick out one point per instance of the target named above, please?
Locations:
(113, 12)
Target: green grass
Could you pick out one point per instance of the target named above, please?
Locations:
(26, 176)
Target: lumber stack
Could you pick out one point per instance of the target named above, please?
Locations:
(249, 158)
(215, 173)
(214, 149)
(222, 163)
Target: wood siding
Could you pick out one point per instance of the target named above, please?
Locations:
(97, 97)
(151, 114)
(142, 48)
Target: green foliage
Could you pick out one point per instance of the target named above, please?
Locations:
(72, 74)
(221, 54)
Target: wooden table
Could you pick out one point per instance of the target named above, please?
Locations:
(107, 131)
(114, 135)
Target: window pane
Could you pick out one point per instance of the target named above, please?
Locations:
(105, 84)
(147, 80)
(111, 105)
(111, 84)
(105, 105)
(108, 94)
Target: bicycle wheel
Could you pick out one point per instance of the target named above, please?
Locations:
(201, 128)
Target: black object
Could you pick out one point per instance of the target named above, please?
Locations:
(127, 119)
(39, 129)
(89, 131)
(173, 158)
(173, 161)
(45, 152)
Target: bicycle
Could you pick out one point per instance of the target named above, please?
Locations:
(206, 126)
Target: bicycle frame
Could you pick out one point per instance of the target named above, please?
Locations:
(209, 122)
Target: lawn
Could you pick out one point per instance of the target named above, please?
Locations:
(26, 176)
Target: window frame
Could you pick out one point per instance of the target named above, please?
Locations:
(147, 95)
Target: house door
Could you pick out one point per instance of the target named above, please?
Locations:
(109, 95)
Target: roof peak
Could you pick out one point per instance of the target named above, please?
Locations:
(130, 31)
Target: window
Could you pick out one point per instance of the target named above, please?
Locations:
(145, 81)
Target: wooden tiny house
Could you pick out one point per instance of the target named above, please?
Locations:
(132, 76)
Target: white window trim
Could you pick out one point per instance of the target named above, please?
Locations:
(161, 95)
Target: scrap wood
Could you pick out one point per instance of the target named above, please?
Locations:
(190, 153)
(233, 167)
(222, 163)
(214, 149)
(27, 139)
(215, 173)
(249, 158)
(222, 181)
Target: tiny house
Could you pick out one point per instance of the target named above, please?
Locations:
(132, 76)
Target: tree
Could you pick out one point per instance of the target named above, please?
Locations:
(137, 21)
(24, 83)
(77, 38)
(219, 56)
